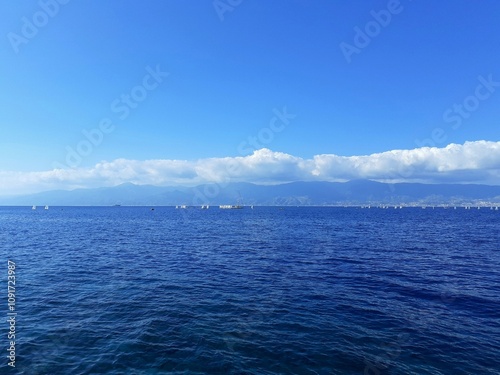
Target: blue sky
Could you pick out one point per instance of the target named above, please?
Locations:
(231, 68)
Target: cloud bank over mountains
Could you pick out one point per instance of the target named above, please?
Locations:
(473, 162)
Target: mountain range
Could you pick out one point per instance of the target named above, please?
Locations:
(356, 192)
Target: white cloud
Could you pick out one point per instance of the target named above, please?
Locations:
(472, 162)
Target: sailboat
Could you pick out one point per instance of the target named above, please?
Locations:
(46, 207)
(33, 208)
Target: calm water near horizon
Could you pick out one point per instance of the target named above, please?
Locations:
(299, 290)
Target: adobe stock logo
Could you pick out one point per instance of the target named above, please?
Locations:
(266, 135)
(31, 26)
(224, 6)
(278, 123)
(122, 107)
(363, 37)
(459, 112)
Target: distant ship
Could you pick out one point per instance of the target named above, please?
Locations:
(237, 206)
(33, 208)
(46, 207)
(205, 207)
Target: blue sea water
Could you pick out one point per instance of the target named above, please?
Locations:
(299, 290)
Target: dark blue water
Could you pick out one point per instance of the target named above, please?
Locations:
(128, 290)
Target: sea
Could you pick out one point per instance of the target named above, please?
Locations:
(268, 290)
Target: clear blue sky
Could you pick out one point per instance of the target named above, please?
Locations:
(227, 75)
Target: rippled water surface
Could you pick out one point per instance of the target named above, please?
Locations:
(130, 290)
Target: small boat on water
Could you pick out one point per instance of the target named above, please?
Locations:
(33, 207)
(46, 207)
(205, 207)
(230, 207)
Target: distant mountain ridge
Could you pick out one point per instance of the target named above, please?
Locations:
(356, 192)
